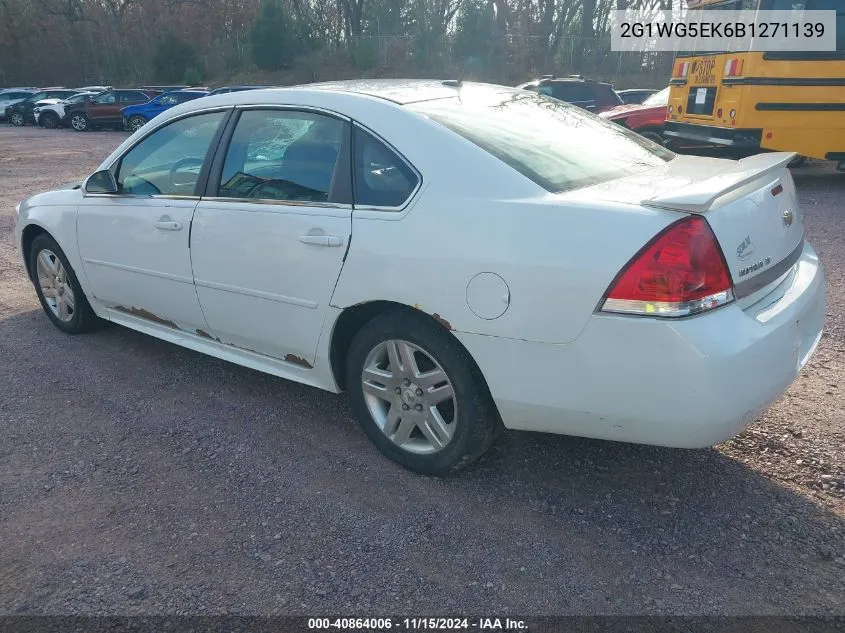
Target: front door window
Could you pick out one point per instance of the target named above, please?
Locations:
(168, 161)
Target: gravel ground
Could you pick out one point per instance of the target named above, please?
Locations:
(139, 477)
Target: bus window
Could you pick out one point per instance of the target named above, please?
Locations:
(812, 5)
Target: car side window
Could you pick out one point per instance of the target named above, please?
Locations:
(168, 161)
(546, 90)
(105, 98)
(128, 96)
(381, 177)
(283, 155)
(168, 100)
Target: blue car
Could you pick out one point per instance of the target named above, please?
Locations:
(136, 116)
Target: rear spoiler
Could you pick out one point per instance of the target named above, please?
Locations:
(700, 196)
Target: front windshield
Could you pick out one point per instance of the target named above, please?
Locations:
(658, 99)
(557, 145)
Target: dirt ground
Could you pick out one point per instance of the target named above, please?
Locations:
(139, 477)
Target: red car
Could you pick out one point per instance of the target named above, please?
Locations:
(647, 118)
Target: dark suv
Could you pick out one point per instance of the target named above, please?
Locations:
(104, 109)
(20, 113)
(585, 93)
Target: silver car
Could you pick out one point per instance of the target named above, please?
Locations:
(10, 96)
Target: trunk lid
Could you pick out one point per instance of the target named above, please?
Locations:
(751, 205)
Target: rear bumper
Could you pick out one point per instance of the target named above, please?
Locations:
(689, 383)
(729, 137)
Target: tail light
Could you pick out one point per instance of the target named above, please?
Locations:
(733, 68)
(680, 272)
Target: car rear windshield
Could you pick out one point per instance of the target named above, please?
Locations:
(558, 146)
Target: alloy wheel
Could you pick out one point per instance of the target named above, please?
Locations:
(55, 286)
(16, 119)
(409, 396)
(79, 123)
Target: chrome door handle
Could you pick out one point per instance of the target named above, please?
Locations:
(168, 225)
(321, 240)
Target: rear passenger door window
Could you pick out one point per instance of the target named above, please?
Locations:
(381, 178)
(106, 98)
(287, 155)
(131, 96)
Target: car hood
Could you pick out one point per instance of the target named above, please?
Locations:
(620, 112)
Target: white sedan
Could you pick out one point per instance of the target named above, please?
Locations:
(458, 257)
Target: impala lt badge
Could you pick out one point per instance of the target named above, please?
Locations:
(753, 268)
(788, 218)
(744, 250)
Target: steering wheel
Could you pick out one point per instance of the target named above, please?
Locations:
(181, 164)
(139, 186)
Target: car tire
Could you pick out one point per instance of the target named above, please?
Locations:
(654, 137)
(58, 289)
(136, 123)
(49, 120)
(80, 122)
(16, 119)
(433, 415)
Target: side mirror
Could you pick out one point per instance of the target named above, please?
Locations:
(101, 182)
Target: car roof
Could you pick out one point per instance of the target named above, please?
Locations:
(190, 91)
(400, 91)
(244, 86)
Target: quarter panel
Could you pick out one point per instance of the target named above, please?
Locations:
(557, 256)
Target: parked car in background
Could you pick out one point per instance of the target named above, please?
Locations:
(162, 89)
(591, 95)
(635, 95)
(647, 119)
(11, 96)
(656, 327)
(136, 116)
(50, 113)
(21, 113)
(104, 109)
(227, 89)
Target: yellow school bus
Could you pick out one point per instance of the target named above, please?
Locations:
(781, 101)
